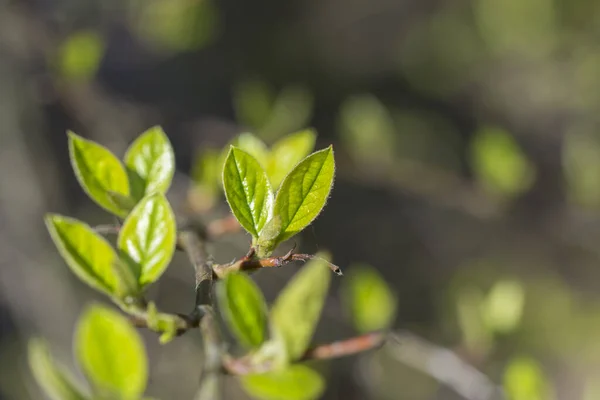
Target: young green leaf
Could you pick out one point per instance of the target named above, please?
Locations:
(287, 152)
(247, 190)
(147, 239)
(87, 253)
(371, 300)
(303, 192)
(296, 382)
(296, 311)
(57, 384)
(111, 353)
(150, 163)
(524, 379)
(244, 309)
(99, 172)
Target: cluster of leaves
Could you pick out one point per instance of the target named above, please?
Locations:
(273, 193)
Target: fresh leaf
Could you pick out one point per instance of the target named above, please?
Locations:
(79, 56)
(244, 309)
(166, 324)
(303, 192)
(371, 300)
(99, 172)
(287, 152)
(147, 239)
(296, 311)
(150, 163)
(500, 164)
(111, 353)
(57, 384)
(247, 190)
(296, 382)
(88, 254)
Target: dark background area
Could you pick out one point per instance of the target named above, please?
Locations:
(467, 151)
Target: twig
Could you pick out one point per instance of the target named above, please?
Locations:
(345, 347)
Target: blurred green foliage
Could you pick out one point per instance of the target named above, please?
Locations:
(79, 55)
(524, 379)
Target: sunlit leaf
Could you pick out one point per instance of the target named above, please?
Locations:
(99, 172)
(371, 300)
(296, 311)
(80, 54)
(150, 163)
(503, 307)
(248, 190)
(166, 324)
(244, 309)
(303, 192)
(287, 152)
(55, 381)
(147, 239)
(87, 254)
(111, 353)
(499, 163)
(296, 382)
(525, 380)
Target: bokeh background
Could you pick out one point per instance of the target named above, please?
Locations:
(467, 138)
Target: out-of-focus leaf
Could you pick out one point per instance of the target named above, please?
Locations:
(304, 192)
(296, 311)
(475, 333)
(80, 54)
(247, 190)
(55, 381)
(287, 152)
(500, 165)
(175, 25)
(150, 163)
(527, 28)
(147, 239)
(371, 300)
(296, 382)
(253, 146)
(581, 160)
(290, 112)
(99, 172)
(244, 309)
(503, 306)
(111, 353)
(525, 380)
(367, 129)
(253, 103)
(87, 254)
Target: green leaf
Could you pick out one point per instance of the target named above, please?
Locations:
(247, 190)
(166, 324)
(303, 193)
(296, 311)
(87, 253)
(500, 165)
(287, 152)
(111, 353)
(253, 103)
(297, 382)
(147, 239)
(55, 381)
(150, 163)
(244, 309)
(525, 380)
(99, 172)
(371, 300)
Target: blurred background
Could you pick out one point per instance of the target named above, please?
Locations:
(467, 139)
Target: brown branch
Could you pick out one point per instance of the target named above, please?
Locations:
(345, 347)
